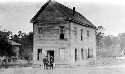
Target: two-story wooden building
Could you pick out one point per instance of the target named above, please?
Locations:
(63, 33)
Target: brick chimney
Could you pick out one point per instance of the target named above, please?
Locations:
(73, 11)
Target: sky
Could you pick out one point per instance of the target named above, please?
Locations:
(15, 15)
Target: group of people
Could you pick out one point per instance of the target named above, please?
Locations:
(48, 64)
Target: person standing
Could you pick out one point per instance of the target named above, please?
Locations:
(51, 62)
(45, 62)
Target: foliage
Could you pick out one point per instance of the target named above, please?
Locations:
(99, 39)
(5, 46)
(109, 45)
(122, 41)
(26, 41)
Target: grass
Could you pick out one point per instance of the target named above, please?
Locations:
(99, 62)
(13, 65)
(108, 61)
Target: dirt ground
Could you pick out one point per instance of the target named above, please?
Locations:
(112, 69)
(103, 66)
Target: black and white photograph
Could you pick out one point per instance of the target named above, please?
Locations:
(62, 37)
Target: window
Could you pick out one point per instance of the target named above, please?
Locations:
(81, 34)
(75, 54)
(82, 54)
(61, 54)
(38, 53)
(90, 53)
(61, 32)
(39, 30)
(87, 33)
(75, 31)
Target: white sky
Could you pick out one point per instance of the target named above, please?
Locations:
(15, 15)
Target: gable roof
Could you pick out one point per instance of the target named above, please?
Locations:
(77, 17)
(14, 43)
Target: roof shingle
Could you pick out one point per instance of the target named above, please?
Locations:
(77, 17)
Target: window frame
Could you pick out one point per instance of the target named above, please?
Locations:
(75, 32)
(62, 32)
(76, 55)
(88, 33)
(82, 54)
(38, 53)
(81, 34)
(61, 59)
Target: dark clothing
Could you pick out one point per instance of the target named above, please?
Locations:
(51, 62)
(45, 62)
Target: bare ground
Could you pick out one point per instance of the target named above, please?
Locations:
(114, 69)
(103, 66)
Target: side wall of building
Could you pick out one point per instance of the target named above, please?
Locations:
(80, 47)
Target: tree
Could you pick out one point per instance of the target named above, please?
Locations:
(5, 46)
(116, 40)
(108, 42)
(99, 39)
(122, 41)
(28, 46)
(16, 38)
(26, 41)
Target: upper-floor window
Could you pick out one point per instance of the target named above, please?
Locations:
(87, 33)
(62, 32)
(39, 30)
(75, 31)
(81, 34)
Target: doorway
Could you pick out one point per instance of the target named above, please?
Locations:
(49, 54)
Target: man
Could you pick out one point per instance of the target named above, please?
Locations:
(45, 62)
(51, 62)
